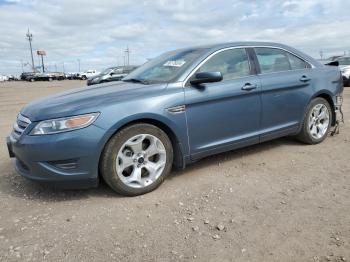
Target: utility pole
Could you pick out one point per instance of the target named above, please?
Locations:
(42, 63)
(30, 39)
(321, 54)
(127, 57)
(41, 53)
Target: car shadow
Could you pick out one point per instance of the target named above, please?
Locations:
(16, 186)
(238, 153)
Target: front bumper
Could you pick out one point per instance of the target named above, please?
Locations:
(68, 160)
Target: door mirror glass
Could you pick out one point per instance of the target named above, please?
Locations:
(206, 77)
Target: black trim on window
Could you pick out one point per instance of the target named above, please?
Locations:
(253, 61)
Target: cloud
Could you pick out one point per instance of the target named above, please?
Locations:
(97, 33)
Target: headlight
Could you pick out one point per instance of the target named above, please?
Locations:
(58, 125)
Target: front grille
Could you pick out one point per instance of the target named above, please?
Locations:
(21, 124)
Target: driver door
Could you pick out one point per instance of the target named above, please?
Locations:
(224, 115)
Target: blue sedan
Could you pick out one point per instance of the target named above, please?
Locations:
(176, 109)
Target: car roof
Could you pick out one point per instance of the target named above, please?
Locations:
(214, 47)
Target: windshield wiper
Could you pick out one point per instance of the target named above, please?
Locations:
(136, 80)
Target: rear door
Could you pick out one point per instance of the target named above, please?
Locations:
(286, 87)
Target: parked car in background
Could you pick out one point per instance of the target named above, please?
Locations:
(58, 75)
(27, 75)
(87, 74)
(174, 110)
(32, 77)
(111, 74)
(344, 65)
(47, 76)
(12, 78)
(73, 76)
(3, 78)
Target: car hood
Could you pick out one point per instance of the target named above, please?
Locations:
(87, 99)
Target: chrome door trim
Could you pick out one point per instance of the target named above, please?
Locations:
(245, 47)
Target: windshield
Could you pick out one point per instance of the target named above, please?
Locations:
(106, 71)
(166, 67)
(344, 60)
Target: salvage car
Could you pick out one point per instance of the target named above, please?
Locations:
(174, 110)
(111, 74)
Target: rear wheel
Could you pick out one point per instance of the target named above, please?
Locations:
(317, 122)
(137, 159)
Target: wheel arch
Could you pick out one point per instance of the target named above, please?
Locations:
(325, 94)
(179, 161)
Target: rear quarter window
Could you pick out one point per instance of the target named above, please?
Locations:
(276, 60)
(297, 63)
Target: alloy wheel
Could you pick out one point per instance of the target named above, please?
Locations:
(318, 121)
(141, 160)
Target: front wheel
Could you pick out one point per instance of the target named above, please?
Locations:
(317, 122)
(137, 159)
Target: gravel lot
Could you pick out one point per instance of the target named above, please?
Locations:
(277, 201)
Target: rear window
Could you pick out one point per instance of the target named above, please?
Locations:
(276, 60)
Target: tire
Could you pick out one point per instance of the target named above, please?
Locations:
(124, 147)
(32, 80)
(315, 128)
(83, 77)
(50, 79)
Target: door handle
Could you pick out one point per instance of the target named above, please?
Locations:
(304, 79)
(249, 87)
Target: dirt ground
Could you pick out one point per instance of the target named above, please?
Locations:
(277, 201)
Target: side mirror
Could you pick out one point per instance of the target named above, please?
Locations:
(206, 77)
(333, 63)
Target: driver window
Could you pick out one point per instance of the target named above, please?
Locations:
(232, 63)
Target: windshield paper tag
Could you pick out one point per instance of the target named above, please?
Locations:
(175, 63)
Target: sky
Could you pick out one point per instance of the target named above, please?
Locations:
(98, 32)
